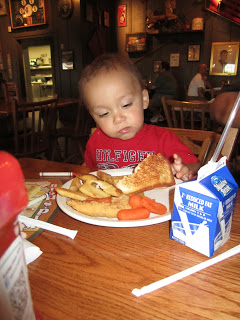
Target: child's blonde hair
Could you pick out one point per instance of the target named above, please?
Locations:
(106, 63)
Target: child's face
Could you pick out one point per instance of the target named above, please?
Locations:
(116, 101)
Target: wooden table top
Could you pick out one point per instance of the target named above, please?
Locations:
(92, 276)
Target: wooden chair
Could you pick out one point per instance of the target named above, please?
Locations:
(203, 143)
(34, 125)
(75, 136)
(186, 114)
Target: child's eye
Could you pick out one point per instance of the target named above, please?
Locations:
(127, 105)
(103, 115)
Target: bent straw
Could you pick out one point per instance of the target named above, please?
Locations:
(47, 226)
(36, 200)
(164, 282)
(226, 129)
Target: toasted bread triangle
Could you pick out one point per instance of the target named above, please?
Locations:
(154, 171)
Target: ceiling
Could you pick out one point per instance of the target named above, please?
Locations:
(229, 9)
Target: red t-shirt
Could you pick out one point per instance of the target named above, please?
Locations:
(104, 152)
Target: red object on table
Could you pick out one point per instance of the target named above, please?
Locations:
(14, 281)
(13, 197)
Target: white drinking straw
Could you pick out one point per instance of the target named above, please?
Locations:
(57, 174)
(164, 282)
(47, 226)
(226, 129)
(38, 199)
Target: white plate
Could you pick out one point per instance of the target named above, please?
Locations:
(161, 195)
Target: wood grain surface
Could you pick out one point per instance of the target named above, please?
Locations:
(92, 276)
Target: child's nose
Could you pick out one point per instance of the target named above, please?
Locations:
(118, 118)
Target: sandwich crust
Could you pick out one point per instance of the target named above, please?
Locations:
(154, 171)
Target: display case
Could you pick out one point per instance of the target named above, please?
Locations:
(38, 71)
(42, 80)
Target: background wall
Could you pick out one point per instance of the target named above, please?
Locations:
(76, 33)
(90, 37)
(216, 29)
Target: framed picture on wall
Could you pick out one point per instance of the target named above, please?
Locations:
(122, 15)
(224, 58)
(156, 65)
(67, 60)
(27, 13)
(194, 52)
(1, 59)
(174, 60)
(3, 9)
(89, 12)
(65, 8)
(136, 42)
(106, 19)
(11, 91)
(9, 66)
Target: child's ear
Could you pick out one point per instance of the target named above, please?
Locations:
(145, 98)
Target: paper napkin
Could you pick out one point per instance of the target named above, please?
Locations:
(31, 251)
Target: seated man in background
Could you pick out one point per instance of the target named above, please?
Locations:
(198, 85)
(165, 85)
(222, 105)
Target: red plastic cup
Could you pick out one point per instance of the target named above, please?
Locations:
(15, 297)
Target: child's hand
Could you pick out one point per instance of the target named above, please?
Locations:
(184, 171)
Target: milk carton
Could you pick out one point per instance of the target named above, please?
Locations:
(203, 209)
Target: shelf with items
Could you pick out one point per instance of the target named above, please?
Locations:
(39, 70)
(188, 36)
(41, 67)
(42, 89)
(156, 32)
(171, 24)
(42, 83)
(41, 75)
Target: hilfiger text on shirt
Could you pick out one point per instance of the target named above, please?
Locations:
(108, 155)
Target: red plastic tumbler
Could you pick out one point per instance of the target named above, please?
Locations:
(15, 297)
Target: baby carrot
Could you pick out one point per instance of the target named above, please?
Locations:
(153, 206)
(133, 214)
(135, 201)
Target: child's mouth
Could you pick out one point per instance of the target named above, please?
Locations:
(124, 130)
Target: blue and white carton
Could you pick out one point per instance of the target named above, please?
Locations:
(203, 209)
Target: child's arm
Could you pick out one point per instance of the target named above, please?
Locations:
(184, 171)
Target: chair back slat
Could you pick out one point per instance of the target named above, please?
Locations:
(33, 126)
(203, 143)
(231, 140)
(187, 114)
(75, 136)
